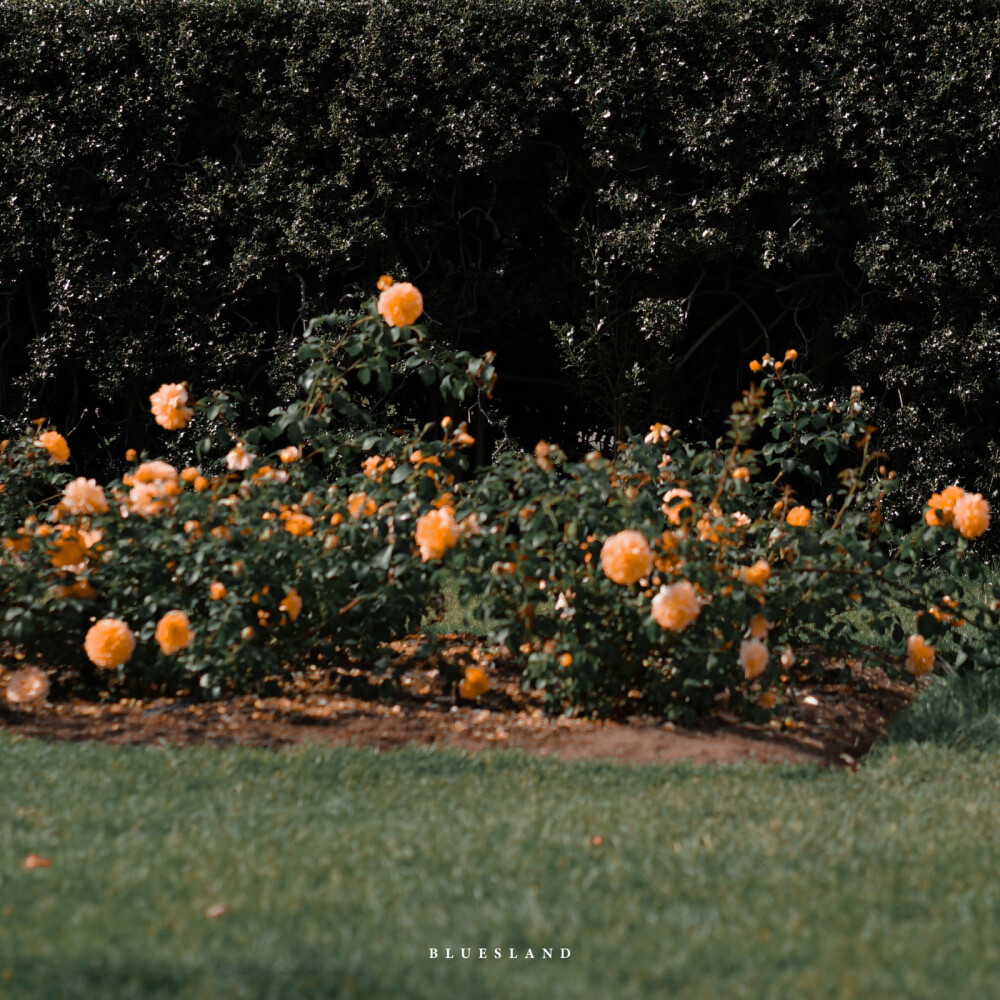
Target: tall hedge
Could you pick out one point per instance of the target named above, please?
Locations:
(627, 201)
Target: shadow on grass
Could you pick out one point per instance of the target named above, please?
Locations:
(132, 975)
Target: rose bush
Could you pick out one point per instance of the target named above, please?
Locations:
(286, 539)
(667, 577)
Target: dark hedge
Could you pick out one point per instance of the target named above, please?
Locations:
(627, 201)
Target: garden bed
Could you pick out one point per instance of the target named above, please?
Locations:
(833, 721)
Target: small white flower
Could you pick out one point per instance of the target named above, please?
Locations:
(658, 433)
(275, 476)
(563, 606)
(239, 459)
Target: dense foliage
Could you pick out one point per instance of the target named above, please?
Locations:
(625, 201)
(664, 576)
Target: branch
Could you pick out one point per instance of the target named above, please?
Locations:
(715, 326)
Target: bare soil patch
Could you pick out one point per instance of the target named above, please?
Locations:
(830, 721)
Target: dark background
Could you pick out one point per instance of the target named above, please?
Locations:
(627, 202)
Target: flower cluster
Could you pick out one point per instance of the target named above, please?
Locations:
(967, 513)
(155, 487)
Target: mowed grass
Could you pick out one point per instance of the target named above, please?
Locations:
(341, 868)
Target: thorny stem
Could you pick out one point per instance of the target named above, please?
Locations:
(865, 461)
(741, 436)
(726, 470)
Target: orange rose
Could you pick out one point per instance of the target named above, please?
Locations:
(55, 444)
(298, 524)
(753, 658)
(919, 656)
(757, 574)
(943, 505)
(400, 304)
(173, 632)
(291, 604)
(361, 505)
(475, 683)
(436, 533)
(109, 643)
(799, 517)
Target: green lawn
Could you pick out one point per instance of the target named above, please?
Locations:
(340, 869)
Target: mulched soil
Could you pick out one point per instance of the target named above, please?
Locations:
(830, 722)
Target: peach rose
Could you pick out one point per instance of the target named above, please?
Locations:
(84, 496)
(27, 685)
(971, 515)
(676, 606)
(626, 557)
(169, 406)
(753, 658)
